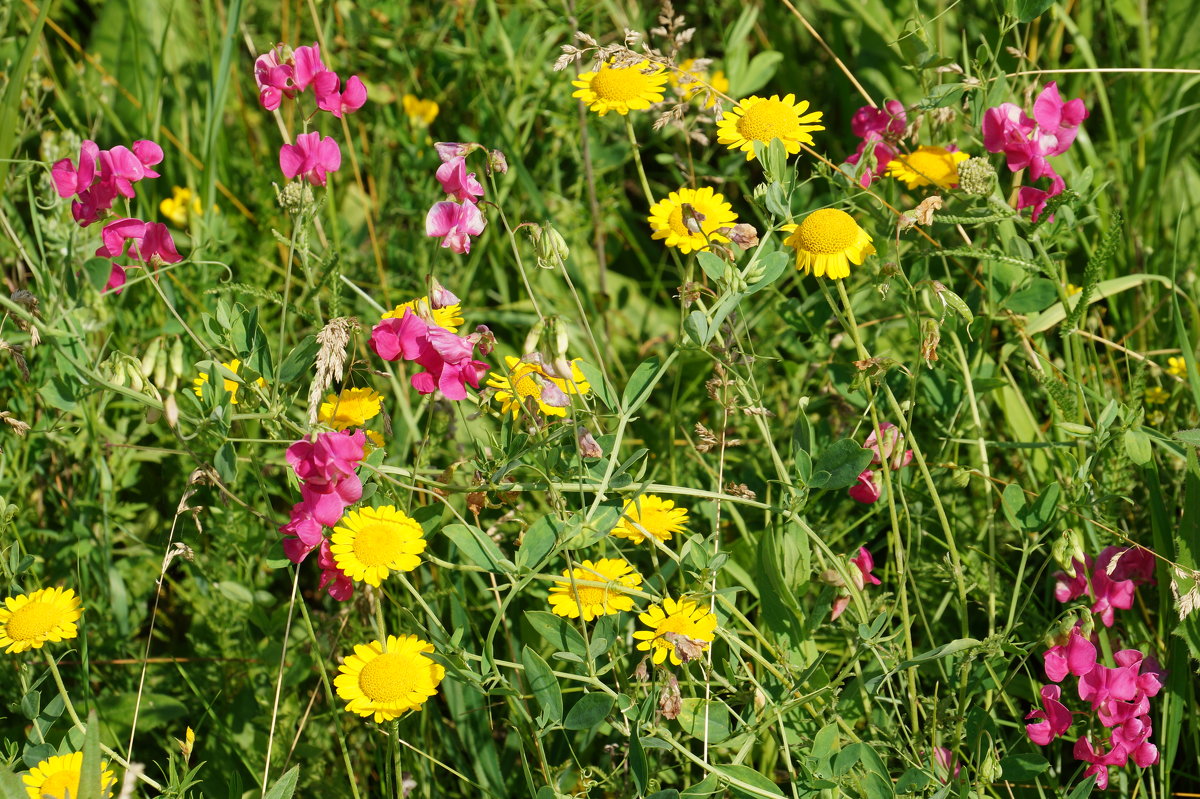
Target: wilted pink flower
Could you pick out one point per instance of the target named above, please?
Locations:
(273, 75)
(866, 490)
(497, 163)
(454, 223)
(889, 450)
(1054, 718)
(457, 182)
(311, 157)
(349, 99)
(449, 150)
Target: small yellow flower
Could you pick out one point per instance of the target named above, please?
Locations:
(650, 514)
(180, 206)
(1156, 396)
(420, 112)
(674, 627)
(529, 383)
(690, 218)
(28, 621)
(1072, 289)
(58, 776)
(1177, 367)
(449, 316)
(827, 242)
(387, 684)
(692, 88)
(621, 89)
(353, 407)
(371, 543)
(573, 600)
(230, 386)
(927, 166)
(765, 119)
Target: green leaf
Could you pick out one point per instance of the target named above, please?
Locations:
(691, 718)
(761, 69)
(1189, 438)
(1029, 10)
(1022, 767)
(912, 780)
(669, 793)
(10, 105)
(589, 711)
(1105, 288)
(538, 542)
(60, 393)
(557, 631)
(1037, 296)
(600, 387)
(637, 767)
(696, 327)
(744, 781)
(942, 95)
(225, 462)
(89, 770)
(476, 546)
(543, 684)
(839, 465)
(772, 266)
(938, 652)
(1083, 789)
(299, 361)
(639, 383)
(285, 786)
(11, 786)
(706, 787)
(1137, 446)
(712, 265)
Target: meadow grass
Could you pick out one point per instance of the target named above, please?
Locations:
(1033, 387)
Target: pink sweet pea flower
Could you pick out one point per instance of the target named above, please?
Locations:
(349, 99)
(309, 70)
(328, 459)
(454, 224)
(1076, 657)
(149, 242)
(891, 443)
(311, 157)
(274, 78)
(457, 182)
(860, 575)
(340, 586)
(880, 129)
(1054, 718)
(302, 533)
(448, 358)
(866, 490)
(449, 150)
(70, 180)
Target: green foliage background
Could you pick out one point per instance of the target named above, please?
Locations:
(1031, 422)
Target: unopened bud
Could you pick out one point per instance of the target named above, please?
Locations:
(295, 198)
(497, 162)
(550, 247)
(588, 446)
(440, 296)
(449, 150)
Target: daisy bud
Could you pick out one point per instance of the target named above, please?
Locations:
(588, 447)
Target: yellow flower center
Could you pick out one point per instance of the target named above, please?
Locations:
(387, 678)
(33, 621)
(827, 231)
(618, 84)
(588, 595)
(933, 164)
(377, 544)
(681, 226)
(60, 784)
(767, 120)
(526, 385)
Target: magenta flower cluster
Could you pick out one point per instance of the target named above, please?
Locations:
(861, 574)
(868, 489)
(284, 73)
(447, 358)
(95, 182)
(456, 220)
(329, 484)
(1027, 143)
(880, 129)
(1118, 696)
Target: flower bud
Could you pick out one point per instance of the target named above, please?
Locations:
(449, 150)
(295, 198)
(976, 176)
(440, 296)
(549, 246)
(497, 163)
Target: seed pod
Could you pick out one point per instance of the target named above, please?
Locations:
(150, 356)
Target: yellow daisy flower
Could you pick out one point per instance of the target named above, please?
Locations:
(1072, 289)
(30, 620)
(1177, 367)
(388, 684)
(765, 119)
(230, 387)
(57, 777)
(650, 514)
(621, 89)
(927, 166)
(1156, 396)
(591, 601)
(449, 316)
(674, 627)
(420, 112)
(692, 89)
(178, 207)
(689, 219)
(371, 543)
(529, 380)
(354, 407)
(828, 241)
